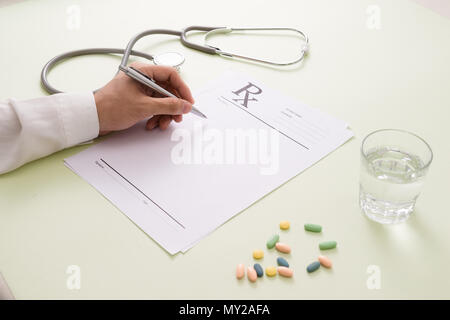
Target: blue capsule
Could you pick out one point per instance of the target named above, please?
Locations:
(259, 270)
(282, 262)
(313, 266)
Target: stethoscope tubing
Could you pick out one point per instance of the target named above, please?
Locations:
(128, 51)
(71, 54)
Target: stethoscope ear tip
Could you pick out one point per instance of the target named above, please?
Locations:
(305, 49)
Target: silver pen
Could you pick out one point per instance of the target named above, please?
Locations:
(149, 82)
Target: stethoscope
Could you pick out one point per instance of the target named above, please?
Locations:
(172, 59)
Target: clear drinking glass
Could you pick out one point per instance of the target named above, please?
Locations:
(393, 168)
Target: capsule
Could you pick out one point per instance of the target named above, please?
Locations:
(240, 271)
(313, 227)
(285, 272)
(283, 247)
(285, 225)
(258, 254)
(282, 262)
(326, 245)
(251, 274)
(272, 241)
(325, 261)
(271, 271)
(313, 266)
(259, 270)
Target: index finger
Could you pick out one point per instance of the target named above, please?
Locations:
(170, 75)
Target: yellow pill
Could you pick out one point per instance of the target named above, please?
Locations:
(271, 271)
(284, 225)
(258, 254)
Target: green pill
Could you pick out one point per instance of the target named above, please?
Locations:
(313, 227)
(327, 245)
(272, 241)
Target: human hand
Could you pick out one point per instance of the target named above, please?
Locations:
(123, 101)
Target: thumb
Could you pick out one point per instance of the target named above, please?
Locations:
(172, 106)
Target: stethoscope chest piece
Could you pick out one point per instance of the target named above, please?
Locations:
(170, 59)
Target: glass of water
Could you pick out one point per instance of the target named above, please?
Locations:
(394, 164)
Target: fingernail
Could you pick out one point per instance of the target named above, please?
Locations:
(186, 107)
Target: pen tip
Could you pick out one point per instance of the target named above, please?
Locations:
(198, 113)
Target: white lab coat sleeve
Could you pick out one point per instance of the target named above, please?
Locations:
(34, 128)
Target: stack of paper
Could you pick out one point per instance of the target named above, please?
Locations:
(180, 184)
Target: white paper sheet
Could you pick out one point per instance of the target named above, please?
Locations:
(181, 184)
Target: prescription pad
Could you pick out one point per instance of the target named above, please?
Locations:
(180, 184)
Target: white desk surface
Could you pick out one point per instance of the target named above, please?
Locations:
(394, 77)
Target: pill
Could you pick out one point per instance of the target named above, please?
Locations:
(251, 274)
(258, 254)
(284, 225)
(313, 266)
(283, 247)
(285, 272)
(271, 271)
(259, 270)
(272, 241)
(240, 271)
(327, 245)
(325, 261)
(313, 227)
(282, 262)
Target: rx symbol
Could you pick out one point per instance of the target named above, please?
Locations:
(248, 89)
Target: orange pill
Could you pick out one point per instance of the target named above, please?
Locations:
(285, 272)
(325, 261)
(283, 247)
(251, 274)
(240, 271)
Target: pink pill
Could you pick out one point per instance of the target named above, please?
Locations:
(325, 261)
(240, 271)
(285, 272)
(251, 274)
(283, 247)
